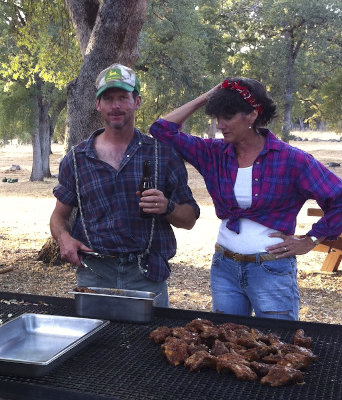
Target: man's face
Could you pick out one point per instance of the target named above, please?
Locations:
(117, 107)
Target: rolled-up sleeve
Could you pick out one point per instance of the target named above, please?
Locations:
(177, 177)
(326, 188)
(65, 191)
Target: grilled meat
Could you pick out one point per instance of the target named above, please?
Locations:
(231, 357)
(209, 334)
(175, 350)
(219, 348)
(230, 326)
(227, 336)
(260, 336)
(233, 348)
(261, 369)
(280, 375)
(187, 336)
(272, 358)
(255, 353)
(293, 348)
(193, 348)
(301, 340)
(200, 359)
(296, 361)
(198, 325)
(233, 362)
(160, 334)
(246, 339)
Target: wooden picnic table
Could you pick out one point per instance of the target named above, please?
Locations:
(333, 248)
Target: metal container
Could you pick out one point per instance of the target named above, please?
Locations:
(115, 304)
(32, 345)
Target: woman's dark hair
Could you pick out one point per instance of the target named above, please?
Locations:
(227, 102)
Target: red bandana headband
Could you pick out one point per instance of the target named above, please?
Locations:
(244, 92)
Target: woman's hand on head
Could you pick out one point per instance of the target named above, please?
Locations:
(212, 90)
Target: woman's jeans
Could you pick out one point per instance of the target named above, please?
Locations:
(269, 288)
(120, 273)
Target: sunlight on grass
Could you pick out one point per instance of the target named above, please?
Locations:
(321, 135)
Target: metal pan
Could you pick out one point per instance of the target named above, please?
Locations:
(33, 344)
(115, 304)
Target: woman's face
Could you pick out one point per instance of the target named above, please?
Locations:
(235, 128)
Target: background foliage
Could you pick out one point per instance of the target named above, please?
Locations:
(186, 47)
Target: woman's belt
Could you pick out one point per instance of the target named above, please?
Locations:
(244, 257)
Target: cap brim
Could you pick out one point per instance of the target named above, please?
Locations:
(115, 84)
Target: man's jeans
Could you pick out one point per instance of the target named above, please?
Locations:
(119, 273)
(268, 288)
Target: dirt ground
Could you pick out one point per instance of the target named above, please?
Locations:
(25, 209)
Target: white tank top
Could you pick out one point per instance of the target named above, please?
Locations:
(253, 237)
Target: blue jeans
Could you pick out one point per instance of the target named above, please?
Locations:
(269, 287)
(120, 273)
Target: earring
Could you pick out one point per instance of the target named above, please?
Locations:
(249, 127)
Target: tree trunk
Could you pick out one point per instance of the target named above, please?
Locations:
(301, 124)
(212, 128)
(112, 37)
(44, 133)
(289, 83)
(41, 142)
(286, 128)
(59, 106)
(37, 164)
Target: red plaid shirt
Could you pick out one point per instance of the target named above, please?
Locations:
(283, 178)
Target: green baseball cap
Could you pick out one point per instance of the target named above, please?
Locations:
(117, 76)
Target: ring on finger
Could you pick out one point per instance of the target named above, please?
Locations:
(285, 248)
(156, 204)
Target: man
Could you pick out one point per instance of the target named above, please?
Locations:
(101, 177)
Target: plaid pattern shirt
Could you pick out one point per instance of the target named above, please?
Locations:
(110, 204)
(283, 178)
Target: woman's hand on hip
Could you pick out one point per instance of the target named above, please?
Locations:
(291, 245)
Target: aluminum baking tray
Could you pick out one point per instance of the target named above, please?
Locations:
(32, 345)
(115, 304)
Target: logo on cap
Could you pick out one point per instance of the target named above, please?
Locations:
(113, 74)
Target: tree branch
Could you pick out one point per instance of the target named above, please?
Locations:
(116, 31)
(297, 47)
(83, 14)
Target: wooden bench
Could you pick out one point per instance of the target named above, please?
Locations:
(333, 248)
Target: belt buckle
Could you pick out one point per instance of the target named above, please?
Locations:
(91, 253)
(235, 256)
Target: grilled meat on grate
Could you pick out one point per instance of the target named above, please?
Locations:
(301, 340)
(280, 375)
(159, 335)
(175, 350)
(233, 348)
(200, 359)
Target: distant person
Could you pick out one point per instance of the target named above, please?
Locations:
(258, 185)
(101, 177)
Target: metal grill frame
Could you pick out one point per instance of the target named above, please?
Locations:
(123, 364)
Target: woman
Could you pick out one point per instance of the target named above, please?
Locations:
(258, 185)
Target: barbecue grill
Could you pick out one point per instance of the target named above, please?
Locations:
(123, 364)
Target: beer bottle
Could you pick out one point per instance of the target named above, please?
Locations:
(146, 183)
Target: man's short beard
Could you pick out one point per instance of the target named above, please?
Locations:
(115, 125)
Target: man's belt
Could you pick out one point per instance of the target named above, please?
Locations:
(243, 257)
(102, 256)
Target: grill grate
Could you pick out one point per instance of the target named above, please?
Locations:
(124, 364)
